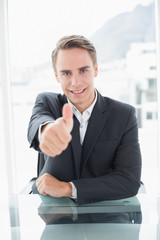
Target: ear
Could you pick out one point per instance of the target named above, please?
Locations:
(96, 70)
(56, 76)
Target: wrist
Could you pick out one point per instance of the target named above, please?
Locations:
(67, 189)
(46, 126)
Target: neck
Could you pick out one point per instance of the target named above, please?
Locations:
(82, 107)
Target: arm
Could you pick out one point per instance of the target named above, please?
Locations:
(41, 114)
(123, 180)
(54, 136)
(54, 139)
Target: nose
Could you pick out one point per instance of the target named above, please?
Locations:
(75, 80)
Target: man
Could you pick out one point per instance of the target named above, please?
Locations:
(90, 142)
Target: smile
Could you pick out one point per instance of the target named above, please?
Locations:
(77, 92)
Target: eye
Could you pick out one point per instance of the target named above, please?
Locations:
(83, 70)
(66, 73)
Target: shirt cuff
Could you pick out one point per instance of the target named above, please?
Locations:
(74, 191)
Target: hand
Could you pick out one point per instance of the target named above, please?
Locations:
(49, 185)
(56, 136)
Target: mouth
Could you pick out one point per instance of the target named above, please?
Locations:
(78, 91)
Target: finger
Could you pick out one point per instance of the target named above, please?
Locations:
(55, 133)
(55, 145)
(50, 150)
(39, 185)
(59, 135)
(67, 114)
(39, 181)
(62, 134)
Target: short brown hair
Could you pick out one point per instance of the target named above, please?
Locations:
(74, 41)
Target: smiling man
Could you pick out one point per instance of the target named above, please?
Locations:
(90, 142)
(75, 71)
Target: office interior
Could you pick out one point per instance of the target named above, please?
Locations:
(28, 33)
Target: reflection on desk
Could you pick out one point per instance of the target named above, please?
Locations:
(115, 213)
(45, 218)
(65, 211)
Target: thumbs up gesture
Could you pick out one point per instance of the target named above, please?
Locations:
(56, 136)
(68, 116)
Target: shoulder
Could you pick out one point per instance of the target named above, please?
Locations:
(123, 113)
(119, 109)
(117, 105)
(52, 102)
(48, 95)
(112, 104)
(51, 98)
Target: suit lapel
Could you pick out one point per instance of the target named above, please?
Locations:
(75, 143)
(76, 146)
(96, 124)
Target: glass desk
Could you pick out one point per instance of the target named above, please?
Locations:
(35, 217)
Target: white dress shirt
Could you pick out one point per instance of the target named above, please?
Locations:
(83, 119)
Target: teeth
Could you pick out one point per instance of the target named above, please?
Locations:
(78, 91)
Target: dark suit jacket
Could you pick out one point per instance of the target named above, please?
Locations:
(108, 164)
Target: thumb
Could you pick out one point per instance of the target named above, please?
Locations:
(68, 116)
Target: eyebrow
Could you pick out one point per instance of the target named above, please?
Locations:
(84, 67)
(63, 71)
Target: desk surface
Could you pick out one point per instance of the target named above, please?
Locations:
(37, 217)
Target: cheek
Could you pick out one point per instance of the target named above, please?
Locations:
(64, 84)
(88, 78)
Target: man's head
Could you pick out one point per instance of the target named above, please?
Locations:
(75, 67)
(74, 41)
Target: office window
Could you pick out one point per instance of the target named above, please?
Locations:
(152, 83)
(149, 115)
(124, 37)
(3, 170)
(153, 68)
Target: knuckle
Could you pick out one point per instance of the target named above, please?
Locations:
(59, 152)
(65, 145)
(68, 138)
(46, 175)
(41, 145)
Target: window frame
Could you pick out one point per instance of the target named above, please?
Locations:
(9, 152)
(157, 23)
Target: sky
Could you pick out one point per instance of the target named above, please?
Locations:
(36, 25)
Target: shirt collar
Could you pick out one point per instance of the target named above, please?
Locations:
(88, 111)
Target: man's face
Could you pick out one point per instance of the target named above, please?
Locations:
(75, 72)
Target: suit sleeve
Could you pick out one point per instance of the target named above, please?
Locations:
(123, 180)
(41, 114)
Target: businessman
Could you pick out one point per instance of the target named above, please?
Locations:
(90, 142)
